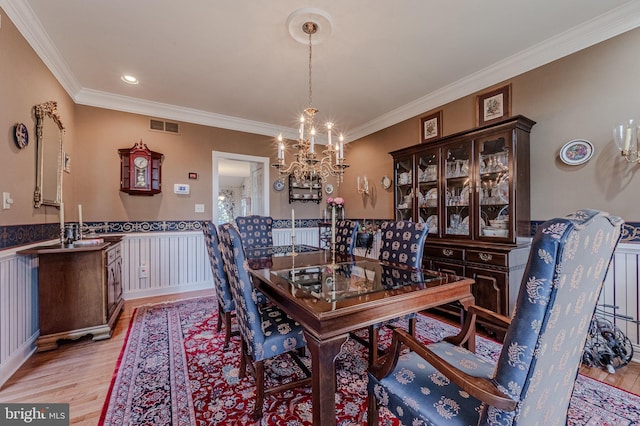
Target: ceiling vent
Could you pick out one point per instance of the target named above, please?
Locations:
(158, 125)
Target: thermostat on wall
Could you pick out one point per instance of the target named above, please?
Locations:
(181, 188)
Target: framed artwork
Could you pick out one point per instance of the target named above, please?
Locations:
(431, 126)
(493, 105)
(67, 162)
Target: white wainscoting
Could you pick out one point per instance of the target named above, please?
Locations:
(18, 310)
(308, 236)
(622, 288)
(175, 262)
(178, 262)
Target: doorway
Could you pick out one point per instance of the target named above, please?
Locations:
(240, 186)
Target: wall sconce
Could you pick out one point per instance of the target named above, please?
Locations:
(626, 137)
(363, 185)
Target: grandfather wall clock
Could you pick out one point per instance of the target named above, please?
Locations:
(140, 170)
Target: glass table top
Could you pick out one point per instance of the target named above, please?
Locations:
(261, 252)
(332, 283)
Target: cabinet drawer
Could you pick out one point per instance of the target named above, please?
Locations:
(113, 253)
(487, 257)
(444, 252)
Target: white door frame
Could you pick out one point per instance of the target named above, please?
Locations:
(215, 188)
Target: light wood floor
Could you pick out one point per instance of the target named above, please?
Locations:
(80, 372)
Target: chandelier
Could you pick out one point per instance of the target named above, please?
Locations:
(312, 161)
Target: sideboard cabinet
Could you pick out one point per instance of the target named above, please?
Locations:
(79, 291)
(472, 190)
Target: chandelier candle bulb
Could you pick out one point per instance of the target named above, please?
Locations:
(329, 126)
(280, 147)
(301, 127)
(341, 146)
(313, 137)
(627, 139)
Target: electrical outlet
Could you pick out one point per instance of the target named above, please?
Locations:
(144, 271)
(199, 208)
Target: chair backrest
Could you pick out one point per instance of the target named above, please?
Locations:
(543, 346)
(255, 230)
(403, 242)
(244, 295)
(346, 232)
(220, 283)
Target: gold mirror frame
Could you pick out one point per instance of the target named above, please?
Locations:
(49, 131)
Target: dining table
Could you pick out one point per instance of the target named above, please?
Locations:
(331, 295)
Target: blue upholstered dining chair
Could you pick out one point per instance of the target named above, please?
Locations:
(266, 331)
(532, 382)
(346, 232)
(402, 243)
(255, 231)
(226, 306)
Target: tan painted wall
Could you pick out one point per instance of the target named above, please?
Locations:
(24, 82)
(580, 96)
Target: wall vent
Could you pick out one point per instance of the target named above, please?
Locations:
(158, 125)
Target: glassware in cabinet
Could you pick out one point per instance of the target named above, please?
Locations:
(428, 193)
(494, 192)
(458, 187)
(404, 189)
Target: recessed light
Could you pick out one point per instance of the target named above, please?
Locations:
(129, 79)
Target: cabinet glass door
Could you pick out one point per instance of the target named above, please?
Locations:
(404, 189)
(458, 190)
(428, 194)
(494, 193)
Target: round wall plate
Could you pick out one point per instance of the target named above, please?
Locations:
(328, 188)
(278, 185)
(21, 135)
(577, 151)
(386, 182)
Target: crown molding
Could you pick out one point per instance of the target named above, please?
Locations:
(601, 28)
(31, 29)
(606, 26)
(133, 105)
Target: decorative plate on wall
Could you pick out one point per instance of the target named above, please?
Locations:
(386, 182)
(575, 152)
(278, 185)
(21, 135)
(328, 188)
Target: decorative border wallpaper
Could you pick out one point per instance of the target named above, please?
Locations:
(18, 235)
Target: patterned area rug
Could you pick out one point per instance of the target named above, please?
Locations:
(173, 371)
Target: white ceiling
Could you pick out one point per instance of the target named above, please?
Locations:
(233, 64)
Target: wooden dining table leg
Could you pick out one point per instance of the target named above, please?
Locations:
(323, 373)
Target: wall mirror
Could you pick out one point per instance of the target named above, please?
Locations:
(49, 131)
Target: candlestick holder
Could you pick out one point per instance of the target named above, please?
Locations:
(293, 246)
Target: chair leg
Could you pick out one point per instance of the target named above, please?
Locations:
(372, 411)
(373, 345)
(243, 360)
(258, 367)
(219, 326)
(227, 331)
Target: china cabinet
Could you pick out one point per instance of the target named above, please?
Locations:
(472, 190)
(305, 190)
